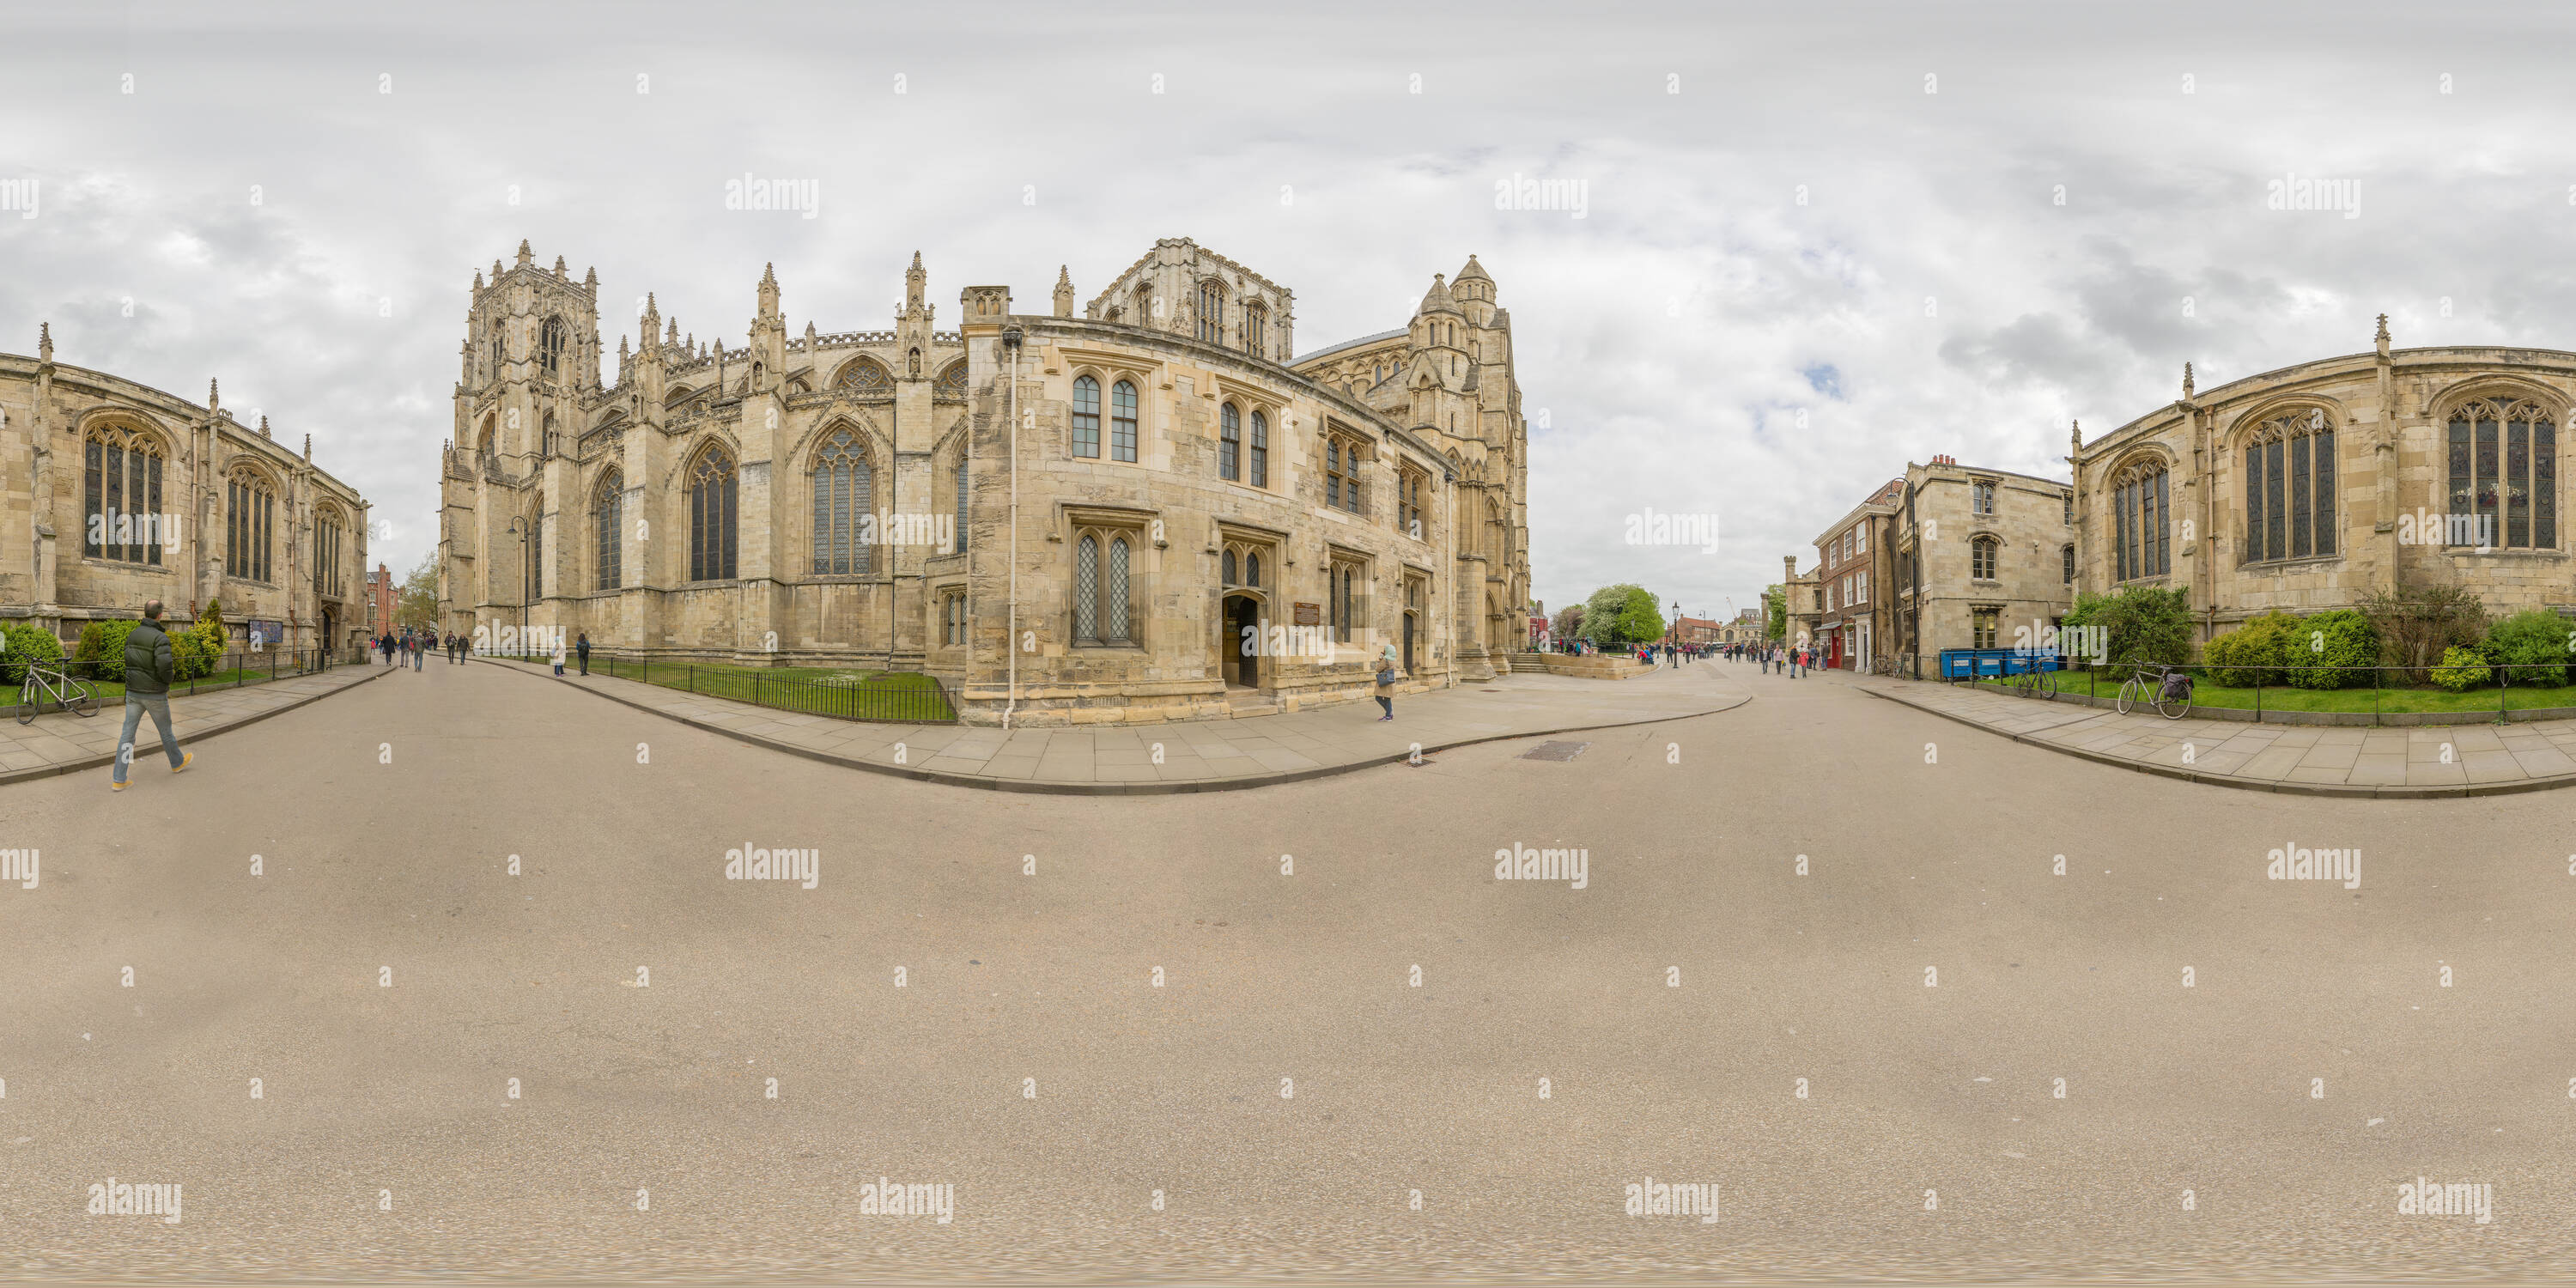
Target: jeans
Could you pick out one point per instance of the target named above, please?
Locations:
(417, 657)
(135, 705)
(1387, 705)
(585, 664)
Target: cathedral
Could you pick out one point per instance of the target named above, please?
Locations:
(1147, 509)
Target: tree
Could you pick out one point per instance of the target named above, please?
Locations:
(1621, 614)
(417, 604)
(1775, 607)
(2420, 624)
(2140, 624)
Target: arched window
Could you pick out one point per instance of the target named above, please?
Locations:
(1982, 553)
(1252, 570)
(2069, 553)
(863, 376)
(607, 530)
(843, 501)
(535, 573)
(958, 543)
(1260, 450)
(497, 349)
(2503, 475)
(1229, 570)
(952, 381)
(327, 530)
(2290, 487)
(711, 517)
(546, 436)
(2138, 516)
(677, 396)
(550, 346)
(1229, 443)
(1256, 328)
(250, 526)
(1100, 587)
(1086, 417)
(121, 486)
(1211, 312)
(1122, 421)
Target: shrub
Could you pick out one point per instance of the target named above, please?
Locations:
(199, 649)
(2340, 638)
(2462, 669)
(2142, 623)
(22, 643)
(2419, 624)
(102, 647)
(2252, 653)
(2532, 646)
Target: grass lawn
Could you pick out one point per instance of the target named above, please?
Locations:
(2290, 698)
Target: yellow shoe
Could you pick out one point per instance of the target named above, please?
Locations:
(184, 758)
(115, 786)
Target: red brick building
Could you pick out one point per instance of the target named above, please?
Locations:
(382, 598)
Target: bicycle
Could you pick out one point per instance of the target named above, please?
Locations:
(2165, 688)
(75, 696)
(2038, 683)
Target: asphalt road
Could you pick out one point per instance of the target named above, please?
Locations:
(1561, 1044)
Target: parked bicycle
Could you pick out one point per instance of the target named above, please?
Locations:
(2166, 688)
(2038, 683)
(44, 685)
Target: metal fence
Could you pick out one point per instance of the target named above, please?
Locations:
(900, 697)
(231, 670)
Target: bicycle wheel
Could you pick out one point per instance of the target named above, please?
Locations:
(2131, 693)
(27, 702)
(2172, 708)
(2044, 683)
(82, 699)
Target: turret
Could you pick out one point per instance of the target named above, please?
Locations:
(1064, 291)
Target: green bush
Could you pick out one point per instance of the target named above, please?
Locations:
(2532, 646)
(199, 649)
(21, 643)
(2252, 653)
(102, 647)
(2141, 623)
(2340, 638)
(2462, 669)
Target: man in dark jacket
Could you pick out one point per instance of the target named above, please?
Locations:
(149, 668)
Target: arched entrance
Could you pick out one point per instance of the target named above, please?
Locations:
(1239, 652)
(1411, 622)
(322, 642)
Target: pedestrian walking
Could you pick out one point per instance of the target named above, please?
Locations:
(1386, 682)
(149, 669)
(559, 653)
(581, 645)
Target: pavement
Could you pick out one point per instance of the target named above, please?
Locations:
(61, 742)
(2414, 761)
(1198, 755)
(1921, 1003)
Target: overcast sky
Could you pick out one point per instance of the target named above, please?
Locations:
(2011, 215)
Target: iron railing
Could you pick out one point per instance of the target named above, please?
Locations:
(2100, 683)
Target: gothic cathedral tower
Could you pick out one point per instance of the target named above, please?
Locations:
(1461, 393)
(530, 356)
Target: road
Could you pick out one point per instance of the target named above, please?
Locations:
(1287, 1088)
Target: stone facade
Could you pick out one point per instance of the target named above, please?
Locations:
(1020, 471)
(116, 493)
(1979, 560)
(2374, 454)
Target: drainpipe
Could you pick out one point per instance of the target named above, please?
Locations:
(1011, 640)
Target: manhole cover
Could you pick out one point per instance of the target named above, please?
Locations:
(1555, 751)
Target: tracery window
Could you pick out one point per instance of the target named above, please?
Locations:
(1256, 328)
(535, 573)
(2290, 487)
(1100, 587)
(1409, 486)
(1260, 450)
(2502, 457)
(121, 495)
(843, 499)
(1086, 417)
(711, 517)
(550, 346)
(2139, 513)
(607, 514)
(951, 383)
(864, 376)
(1346, 586)
(2069, 553)
(250, 526)
(1211, 313)
(1342, 474)
(957, 544)
(327, 530)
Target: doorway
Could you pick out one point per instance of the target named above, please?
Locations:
(1408, 643)
(1241, 649)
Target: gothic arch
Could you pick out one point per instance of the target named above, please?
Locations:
(675, 481)
(2252, 423)
(2502, 390)
(863, 375)
(861, 426)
